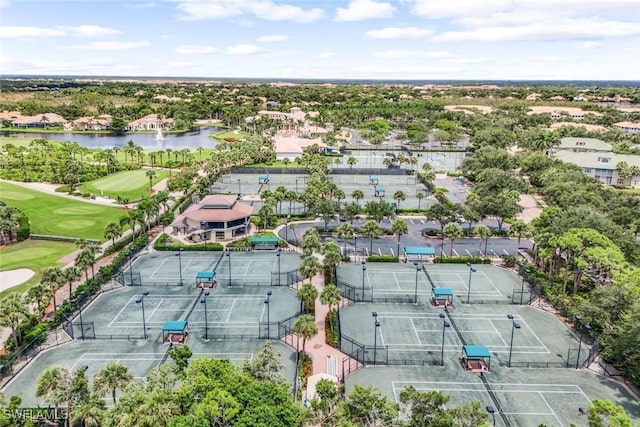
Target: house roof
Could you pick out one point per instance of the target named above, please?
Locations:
(627, 125)
(590, 160)
(589, 144)
(40, 118)
(587, 126)
(219, 209)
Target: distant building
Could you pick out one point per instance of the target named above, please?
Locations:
(603, 166)
(292, 148)
(558, 113)
(39, 121)
(90, 123)
(215, 217)
(150, 122)
(588, 127)
(627, 127)
(584, 145)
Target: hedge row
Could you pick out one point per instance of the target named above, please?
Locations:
(382, 258)
(461, 260)
(161, 245)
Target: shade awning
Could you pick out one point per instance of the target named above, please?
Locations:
(263, 240)
(205, 275)
(476, 351)
(419, 250)
(175, 326)
(442, 292)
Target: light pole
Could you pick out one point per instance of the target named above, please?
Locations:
(524, 273)
(267, 301)
(78, 300)
(364, 272)
(179, 255)
(239, 188)
(581, 325)
(445, 325)
(415, 291)
(144, 320)
(278, 255)
(514, 325)
(286, 230)
(490, 409)
(471, 270)
(229, 265)
(375, 335)
(206, 322)
(130, 253)
(355, 245)
(296, 185)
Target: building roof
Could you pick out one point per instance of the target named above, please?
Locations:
(587, 126)
(572, 111)
(261, 240)
(589, 144)
(217, 208)
(40, 118)
(476, 351)
(295, 145)
(627, 125)
(591, 160)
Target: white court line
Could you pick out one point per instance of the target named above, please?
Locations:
(263, 310)
(397, 281)
(381, 337)
(415, 332)
(230, 311)
(550, 408)
(120, 312)
(156, 308)
(152, 275)
(491, 281)
(497, 332)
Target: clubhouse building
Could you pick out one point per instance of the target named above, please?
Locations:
(214, 218)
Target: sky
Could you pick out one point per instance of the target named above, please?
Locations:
(331, 39)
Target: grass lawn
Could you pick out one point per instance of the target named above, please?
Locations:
(36, 255)
(235, 134)
(18, 142)
(131, 185)
(60, 216)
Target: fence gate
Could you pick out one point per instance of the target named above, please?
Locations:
(67, 325)
(521, 297)
(84, 330)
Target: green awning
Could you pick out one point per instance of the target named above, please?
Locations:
(205, 275)
(476, 351)
(419, 250)
(175, 326)
(442, 292)
(264, 240)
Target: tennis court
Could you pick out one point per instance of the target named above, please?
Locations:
(522, 397)
(140, 357)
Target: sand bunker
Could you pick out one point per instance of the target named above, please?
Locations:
(11, 278)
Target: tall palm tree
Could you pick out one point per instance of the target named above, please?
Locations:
(332, 257)
(371, 229)
(357, 195)
(83, 261)
(345, 231)
(520, 229)
(36, 295)
(483, 232)
(49, 385)
(13, 311)
(305, 327)
(150, 173)
(112, 377)
(308, 294)
(71, 274)
(399, 227)
(419, 196)
(453, 231)
(52, 280)
(88, 412)
(331, 296)
(93, 248)
(112, 231)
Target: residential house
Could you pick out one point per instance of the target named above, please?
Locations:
(627, 127)
(292, 148)
(588, 127)
(558, 113)
(603, 166)
(90, 123)
(39, 121)
(584, 145)
(150, 122)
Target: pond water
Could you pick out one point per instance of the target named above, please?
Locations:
(150, 141)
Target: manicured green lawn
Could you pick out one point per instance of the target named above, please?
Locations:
(235, 134)
(60, 216)
(18, 142)
(131, 185)
(36, 255)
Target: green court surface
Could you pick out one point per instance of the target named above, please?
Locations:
(63, 216)
(138, 355)
(525, 397)
(413, 334)
(242, 268)
(489, 284)
(129, 184)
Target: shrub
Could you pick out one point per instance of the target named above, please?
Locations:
(461, 260)
(382, 258)
(165, 243)
(332, 332)
(305, 367)
(24, 229)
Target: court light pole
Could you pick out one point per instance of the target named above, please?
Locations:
(267, 301)
(229, 265)
(179, 255)
(514, 325)
(375, 335)
(471, 270)
(206, 322)
(415, 291)
(355, 244)
(144, 320)
(278, 253)
(286, 229)
(525, 271)
(581, 325)
(364, 272)
(78, 300)
(445, 325)
(130, 254)
(239, 188)
(490, 409)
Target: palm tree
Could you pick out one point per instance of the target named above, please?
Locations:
(112, 377)
(306, 328)
(150, 173)
(332, 257)
(13, 311)
(357, 195)
(286, 162)
(345, 231)
(309, 267)
(310, 241)
(483, 232)
(331, 296)
(83, 260)
(308, 294)
(93, 248)
(52, 280)
(70, 275)
(419, 196)
(112, 231)
(399, 227)
(36, 294)
(88, 412)
(453, 231)
(49, 385)
(520, 229)
(371, 229)
(351, 161)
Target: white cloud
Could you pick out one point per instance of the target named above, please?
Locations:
(20, 31)
(181, 64)
(553, 30)
(399, 33)
(141, 5)
(91, 31)
(273, 38)
(195, 49)
(4, 3)
(466, 60)
(113, 45)
(326, 55)
(590, 44)
(359, 10)
(262, 9)
(413, 54)
(544, 58)
(244, 49)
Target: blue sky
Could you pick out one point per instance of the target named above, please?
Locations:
(357, 39)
